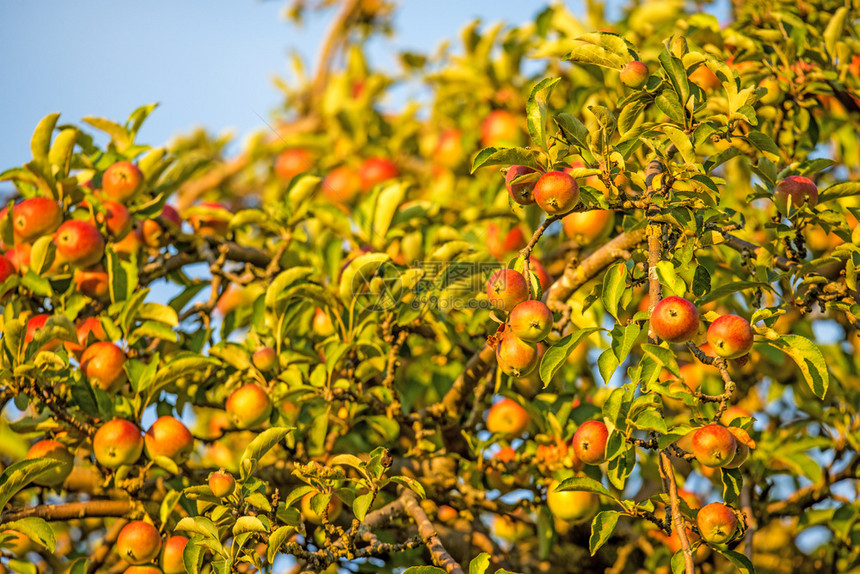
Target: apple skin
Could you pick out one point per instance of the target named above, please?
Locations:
(117, 442)
(544, 278)
(634, 74)
(292, 162)
(585, 227)
(376, 170)
(171, 555)
(531, 321)
(521, 193)
(508, 418)
(153, 232)
(799, 190)
(515, 356)
(249, 406)
(773, 92)
(122, 181)
(57, 451)
(89, 325)
(221, 483)
(93, 282)
(342, 184)
(102, 363)
(589, 442)
(131, 243)
(205, 225)
(713, 445)
(717, 523)
(675, 320)
(730, 336)
(35, 323)
(168, 437)
(144, 569)
(138, 542)
(573, 506)
(80, 243)
(500, 127)
(35, 217)
(703, 77)
(506, 289)
(556, 192)
(116, 218)
(334, 508)
(265, 359)
(6, 269)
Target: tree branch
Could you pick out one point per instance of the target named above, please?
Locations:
(73, 510)
(425, 528)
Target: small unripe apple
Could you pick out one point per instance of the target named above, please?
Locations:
(376, 170)
(589, 442)
(122, 180)
(522, 193)
(506, 289)
(80, 243)
(508, 418)
(171, 555)
(634, 74)
(713, 445)
(130, 244)
(102, 363)
(531, 321)
(516, 357)
(292, 162)
(265, 359)
(221, 483)
(333, 509)
(170, 438)
(57, 451)
(773, 92)
(249, 406)
(792, 192)
(675, 320)
(585, 227)
(117, 442)
(717, 523)
(93, 282)
(500, 127)
(574, 506)
(342, 184)
(138, 542)
(35, 217)
(212, 225)
(730, 336)
(556, 192)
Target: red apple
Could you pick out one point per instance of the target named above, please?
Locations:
(217, 225)
(506, 289)
(332, 510)
(57, 451)
(556, 192)
(89, 325)
(713, 445)
(249, 406)
(221, 483)
(449, 149)
(589, 442)
(508, 418)
(170, 438)
(717, 523)
(116, 217)
(35, 217)
(522, 193)
(531, 321)
(154, 232)
(138, 542)
(634, 74)
(171, 555)
(342, 184)
(499, 246)
(35, 323)
(19, 257)
(376, 170)
(500, 127)
(93, 282)
(7, 269)
(80, 243)
(292, 162)
(516, 357)
(675, 320)
(703, 77)
(103, 365)
(544, 278)
(792, 192)
(730, 336)
(122, 181)
(117, 442)
(585, 227)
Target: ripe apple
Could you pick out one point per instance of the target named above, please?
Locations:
(19, 257)
(57, 451)
(217, 225)
(516, 357)
(449, 149)
(730, 336)
(585, 227)
(499, 246)
(531, 321)
(144, 569)
(221, 483)
(35, 323)
(376, 170)
(154, 232)
(500, 127)
(342, 184)
(675, 320)
(102, 363)
(168, 437)
(522, 193)
(6, 269)
(130, 244)
(89, 325)
(138, 542)
(117, 442)
(717, 523)
(506, 289)
(447, 514)
(792, 192)
(292, 162)
(249, 406)
(556, 192)
(233, 298)
(93, 282)
(713, 445)
(333, 509)
(265, 358)
(171, 555)
(80, 243)
(703, 77)
(573, 506)
(634, 74)
(121, 181)
(508, 418)
(544, 278)
(116, 217)
(589, 442)
(35, 217)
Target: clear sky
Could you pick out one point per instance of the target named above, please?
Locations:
(208, 62)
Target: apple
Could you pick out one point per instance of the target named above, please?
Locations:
(502, 480)
(516, 357)
(35, 217)
(589, 442)
(703, 77)
(292, 162)
(500, 127)
(510, 528)
(522, 193)
(138, 542)
(585, 227)
(265, 358)
(447, 514)
(154, 232)
(57, 451)
(730, 336)
(144, 569)
(773, 92)
(80, 243)
(508, 418)
(675, 320)
(449, 149)
(544, 278)
(717, 523)
(499, 246)
(233, 298)
(171, 555)
(18, 545)
(531, 321)
(89, 325)
(742, 452)
(122, 181)
(102, 363)
(556, 192)
(221, 483)
(342, 184)
(573, 506)
(322, 324)
(249, 406)
(93, 282)
(7, 269)
(792, 192)
(634, 74)
(35, 323)
(19, 257)
(376, 170)
(116, 218)
(130, 244)
(506, 289)
(170, 438)
(333, 509)
(713, 445)
(117, 442)
(217, 225)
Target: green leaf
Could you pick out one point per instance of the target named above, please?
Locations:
(192, 556)
(248, 524)
(198, 525)
(582, 483)
(682, 143)
(614, 284)
(411, 484)
(36, 529)
(669, 279)
(361, 505)
(728, 289)
(677, 75)
(536, 110)
(602, 49)
(732, 483)
(506, 156)
(668, 103)
(158, 312)
(650, 420)
(602, 528)
(62, 150)
(19, 475)
(839, 190)
(168, 504)
(387, 203)
(663, 357)
(40, 143)
(276, 540)
(764, 143)
(556, 355)
(677, 563)
(574, 130)
(119, 135)
(358, 274)
(833, 31)
(284, 280)
(479, 563)
(809, 359)
(741, 562)
(264, 442)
